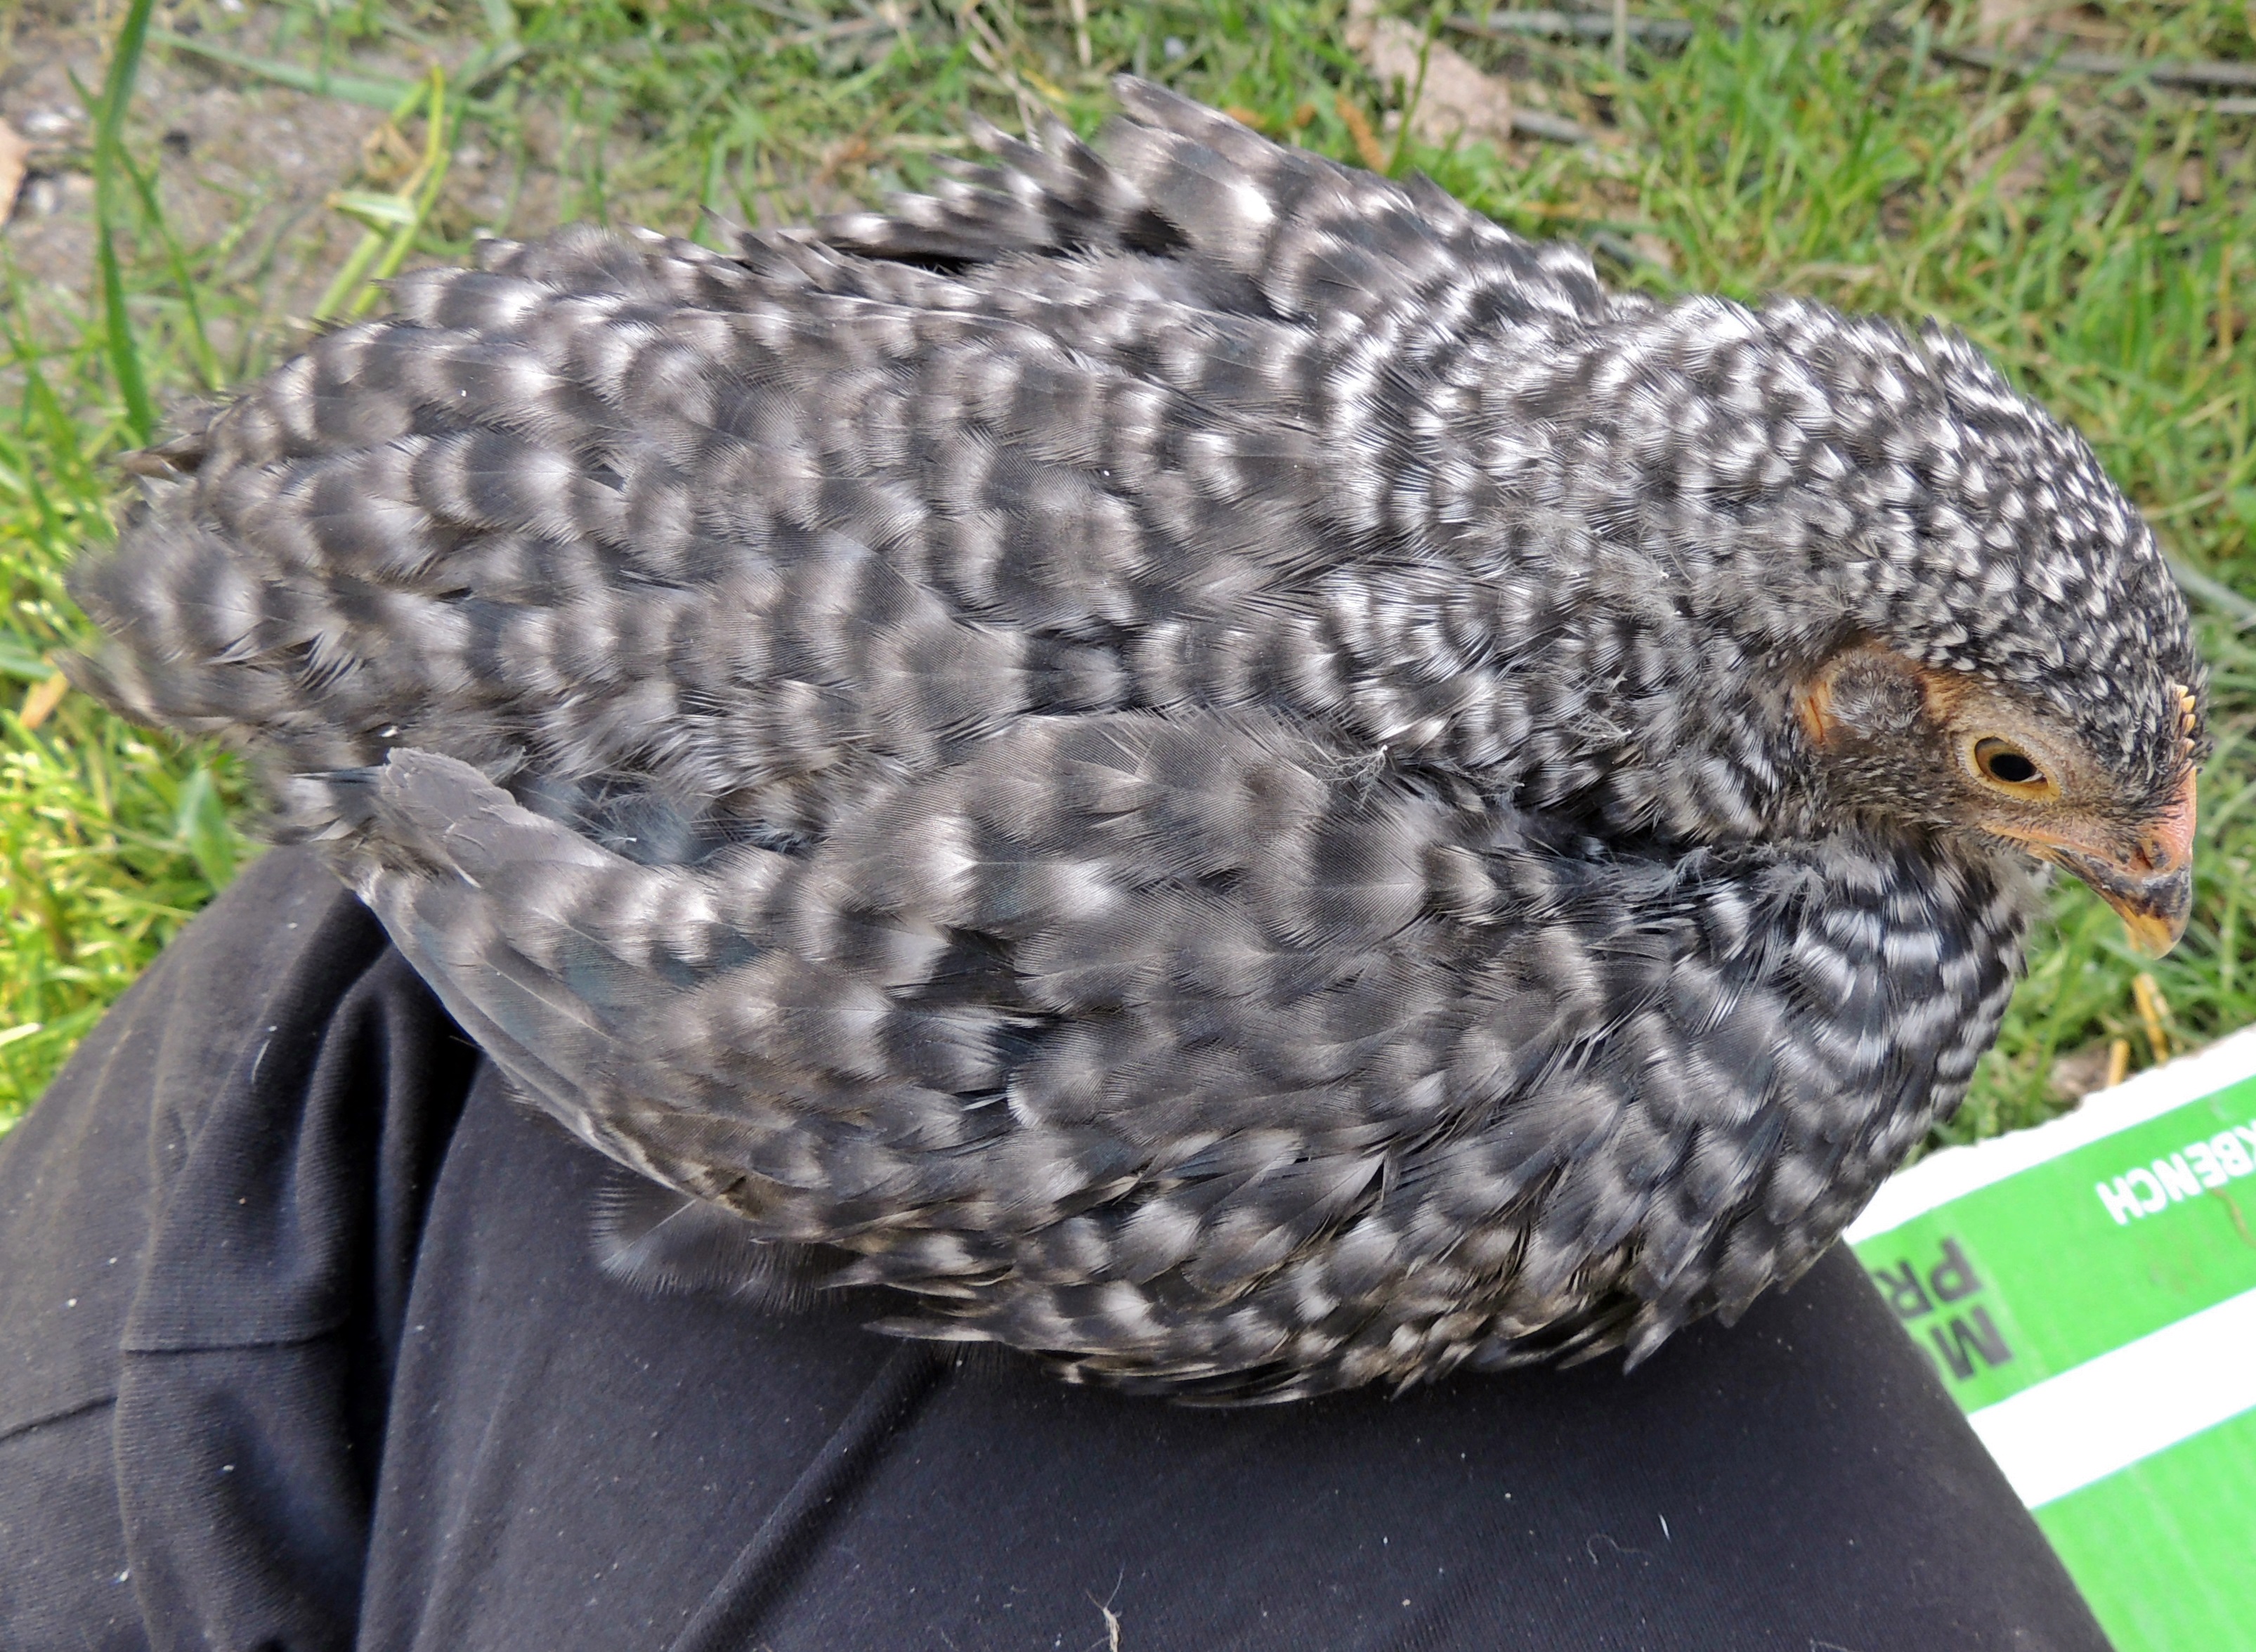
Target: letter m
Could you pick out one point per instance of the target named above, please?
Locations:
(1960, 1340)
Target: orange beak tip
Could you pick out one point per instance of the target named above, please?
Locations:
(2153, 934)
(2151, 891)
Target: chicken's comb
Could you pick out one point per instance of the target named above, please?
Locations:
(2186, 716)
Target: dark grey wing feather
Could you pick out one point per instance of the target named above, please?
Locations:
(1258, 225)
(1245, 1101)
(1060, 197)
(659, 1241)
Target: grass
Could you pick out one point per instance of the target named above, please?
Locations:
(2098, 236)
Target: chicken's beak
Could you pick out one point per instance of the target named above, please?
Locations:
(2153, 885)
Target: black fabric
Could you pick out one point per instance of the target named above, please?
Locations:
(302, 1346)
(209, 1230)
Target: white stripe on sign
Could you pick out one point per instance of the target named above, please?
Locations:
(2128, 1404)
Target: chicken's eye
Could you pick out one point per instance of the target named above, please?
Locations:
(2007, 764)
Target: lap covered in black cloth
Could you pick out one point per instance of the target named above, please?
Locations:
(302, 1346)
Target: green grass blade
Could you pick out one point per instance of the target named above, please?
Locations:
(153, 213)
(438, 157)
(108, 154)
(200, 826)
(23, 659)
(395, 220)
(375, 91)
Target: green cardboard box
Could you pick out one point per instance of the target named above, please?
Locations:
(2087, 1290)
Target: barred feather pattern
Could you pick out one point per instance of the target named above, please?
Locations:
(1176, 754)
(1159, 1046)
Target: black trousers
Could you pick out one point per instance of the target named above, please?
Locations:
(302, 1346)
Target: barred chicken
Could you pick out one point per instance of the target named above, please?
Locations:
(1180, 757)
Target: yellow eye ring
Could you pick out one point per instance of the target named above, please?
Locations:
(2005, 765)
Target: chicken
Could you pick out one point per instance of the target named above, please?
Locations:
(1192, 761)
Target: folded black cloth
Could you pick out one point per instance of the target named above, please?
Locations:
(302, 1346)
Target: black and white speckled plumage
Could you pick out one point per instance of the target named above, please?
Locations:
(1190, 759)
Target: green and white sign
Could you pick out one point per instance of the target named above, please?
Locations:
(2087, 1290)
